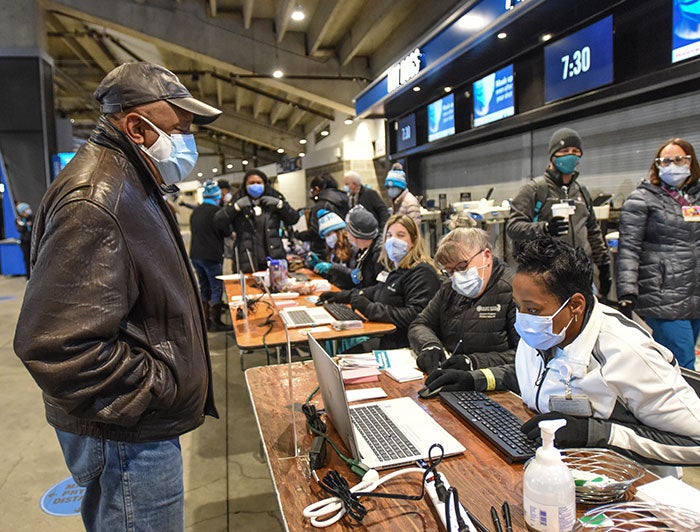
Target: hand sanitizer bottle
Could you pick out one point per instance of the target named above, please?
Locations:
(549, 496)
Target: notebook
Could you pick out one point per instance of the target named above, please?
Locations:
(382, 434)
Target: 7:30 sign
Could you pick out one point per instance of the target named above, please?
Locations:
(576, 63)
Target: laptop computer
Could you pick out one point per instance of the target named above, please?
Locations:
(305, 316)
(382, 434)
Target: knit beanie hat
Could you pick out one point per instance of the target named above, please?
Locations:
(396, 178)
(328, 221)
(22, 208)
(564, 138)
(361, 223)
(211, 190)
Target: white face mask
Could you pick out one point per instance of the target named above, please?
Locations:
(536, 331)
(468, 283)
(332, 240)
(173, 155)
(674, 174)
(393, 192)
(396, 249)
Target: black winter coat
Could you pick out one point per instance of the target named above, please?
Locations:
(330, 199)
(207, 235)
(373, 202)
(486, 325)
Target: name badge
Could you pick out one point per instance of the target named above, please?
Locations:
(381, 276)
(572, 405)
(691, 213)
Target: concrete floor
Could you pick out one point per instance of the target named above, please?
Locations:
(227, 484)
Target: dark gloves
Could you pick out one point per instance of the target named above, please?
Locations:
(430, 357)
(573, 434)
(451, 380)
(335, 297)
(243, 203)
(557, 226)
(271, 203)
(605, 280)
(359, 301)
(626, 304)
(460, 362)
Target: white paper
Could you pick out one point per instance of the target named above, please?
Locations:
(362, 394)
(670, 491)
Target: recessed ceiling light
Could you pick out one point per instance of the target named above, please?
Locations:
(502, 35)
(302, 154)
(416, 89)
(447, 89)
(302, 141)
(277, 74)
(244, 162)
(348, 120)
(471, 22)
(199, 174)
(325, 133)
(546, 37)
(229, 166)
(298, 14)
(280, 150)
(214, 170)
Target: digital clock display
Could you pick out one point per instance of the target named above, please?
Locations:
(580, 62)
(406, 132)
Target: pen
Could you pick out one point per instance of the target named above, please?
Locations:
(496, 520)
(506, 516)
(453, 352)
(478, 524)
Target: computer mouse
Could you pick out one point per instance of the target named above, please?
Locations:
(427, 393)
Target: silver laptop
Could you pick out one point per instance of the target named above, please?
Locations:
(382, 434)
(305, 316)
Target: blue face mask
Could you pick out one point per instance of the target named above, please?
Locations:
(346, 189)
(173, 155)
(255, 190)
(468, 283)
(674, 174)
(396, 249)
(393, 192)
(536, 331)
(566, 164)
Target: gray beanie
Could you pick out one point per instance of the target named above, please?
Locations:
(564, 138)
(361, 223)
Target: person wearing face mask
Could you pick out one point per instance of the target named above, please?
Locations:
(403, 202)
(471, 318)
(659, 251)
(531, 210)
(24, 223)
(410, 282)
(583, 361)
(342, 254)
(111, 327)
(325, 195)
(256, 213)
(359, 194)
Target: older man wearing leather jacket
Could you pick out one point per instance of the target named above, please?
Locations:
(111, 327)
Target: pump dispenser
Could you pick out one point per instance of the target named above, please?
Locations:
(549, 494)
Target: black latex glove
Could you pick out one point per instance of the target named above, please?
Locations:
(271, 203)
(429, 358)
(573, 434)
(335, 297)
(450, 380)
(242, 203)
(605, 280)
(626, 304)
(461, 362)
(557, 226)
(359, 301)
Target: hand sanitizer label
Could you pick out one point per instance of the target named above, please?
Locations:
(548, 518)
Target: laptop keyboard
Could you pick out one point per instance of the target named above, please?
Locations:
(342, 312)
(382, 435)
(299, 317)
(493, 421)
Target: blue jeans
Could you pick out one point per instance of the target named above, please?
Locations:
(210, 288)
(128, 486)
(680, 336)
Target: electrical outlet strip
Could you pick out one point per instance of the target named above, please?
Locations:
(440, 506)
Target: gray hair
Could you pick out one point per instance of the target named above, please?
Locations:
(458, 244)
(354, 177)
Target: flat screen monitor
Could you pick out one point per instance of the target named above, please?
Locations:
(580, 62)
(406, 132)
(493, 97)
(686, 29)
(441, 118)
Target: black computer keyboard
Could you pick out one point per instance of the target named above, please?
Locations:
(493, 421)
(342, 312)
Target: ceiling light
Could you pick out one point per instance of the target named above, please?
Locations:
(546, 37)
(471, 22)
(214, 170)
(325, 133)
(229, 166)
(447, 89)
(502, 35)
(302, 154)
(199, 174)
(298, 14)
(244, 162)
(277, 74)
(348, 120)
(416, 89)
(280, 150)
(302, 141)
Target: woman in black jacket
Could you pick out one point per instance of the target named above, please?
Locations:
(256, 213)
(408, 286)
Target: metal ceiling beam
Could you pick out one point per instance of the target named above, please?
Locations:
(247, 13)
(92, 46)
(294, 118)
(321, 23)
(68, 39)
(257, 106)
(283, 16)
(277, 111)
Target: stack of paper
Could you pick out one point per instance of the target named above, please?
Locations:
(404, 373)
(672, 492)
(358, 375)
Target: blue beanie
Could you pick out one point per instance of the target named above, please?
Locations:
(22, 208)
(328, 221)
(211, 190)
(396, 178)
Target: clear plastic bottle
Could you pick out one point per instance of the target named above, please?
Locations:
(549, 494)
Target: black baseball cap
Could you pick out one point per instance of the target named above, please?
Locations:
(133, 84)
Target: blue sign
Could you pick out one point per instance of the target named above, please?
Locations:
(580, 62)
(441, 118)
(406, 132)
(494, 97)
(63, 499)
(686, 29)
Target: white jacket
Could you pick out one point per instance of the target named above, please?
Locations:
(631, 381)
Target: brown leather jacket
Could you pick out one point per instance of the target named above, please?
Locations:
(111, 327)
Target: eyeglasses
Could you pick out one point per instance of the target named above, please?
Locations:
(680, 160)
(461, 266)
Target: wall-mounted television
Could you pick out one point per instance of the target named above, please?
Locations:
(686, 29)
(580, 62)
(493, 97)
(406, 132)
(441, 118)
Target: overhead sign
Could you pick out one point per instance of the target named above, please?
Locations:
(404, 71)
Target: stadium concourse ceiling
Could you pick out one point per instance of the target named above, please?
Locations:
(226, 52)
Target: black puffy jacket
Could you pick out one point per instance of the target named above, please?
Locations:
(485, 325)
(330, 199)
(658, 256)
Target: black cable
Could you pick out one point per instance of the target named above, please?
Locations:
(336, 485)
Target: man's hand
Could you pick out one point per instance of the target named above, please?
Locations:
(627, 304)
(605, 280)
(323, 267)
(429, 358)
(450, 380)
(335, 297)
(460, 362)
(242, 203)
(271, 203)
(359, 301)
(557, 226)
(573, 434)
